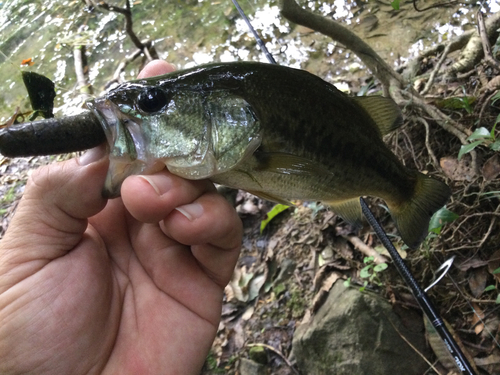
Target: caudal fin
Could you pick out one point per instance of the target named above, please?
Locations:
(412, 217)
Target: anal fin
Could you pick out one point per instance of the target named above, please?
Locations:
(349, 210)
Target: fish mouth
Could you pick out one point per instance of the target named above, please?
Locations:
(126, 145)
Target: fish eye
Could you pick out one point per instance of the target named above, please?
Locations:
(152, 100)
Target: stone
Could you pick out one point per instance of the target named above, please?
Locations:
(355, 332)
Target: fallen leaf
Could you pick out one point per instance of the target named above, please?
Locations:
(248, 313)
(477, 317)
(322, 294)
(457, 170)
(471, 263)
(477, 281)
(491, 168)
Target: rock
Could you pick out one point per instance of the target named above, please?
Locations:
(249, 367)
(353, 333)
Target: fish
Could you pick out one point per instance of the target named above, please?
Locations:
(280, 133)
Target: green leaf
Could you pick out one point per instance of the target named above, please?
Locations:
(492, 132)
(440, 218)
(489, 287)
(276, 210)
(395, 4)
(347, 283)
(495, 98)
(468, 148)
(496, 271)
(480, 133)
(368, 259)
(495, 146)
(380, 267)
(365, 272)
(498, 299)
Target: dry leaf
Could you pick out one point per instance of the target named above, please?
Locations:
(477, 317)
(477, 281)
(457, 170)
(491, 167)
(327, 284)
(471, 263)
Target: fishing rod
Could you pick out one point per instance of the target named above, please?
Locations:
(420, 295)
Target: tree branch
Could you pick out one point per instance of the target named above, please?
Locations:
(380, 69)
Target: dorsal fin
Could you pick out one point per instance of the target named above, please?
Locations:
(384, 112)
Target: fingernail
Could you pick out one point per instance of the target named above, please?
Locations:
(191, 211)
(160, 183)
(92, 155)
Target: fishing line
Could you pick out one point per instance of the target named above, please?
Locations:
(419, 294)
(256, 36)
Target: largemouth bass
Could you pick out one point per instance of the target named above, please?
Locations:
(280, 133)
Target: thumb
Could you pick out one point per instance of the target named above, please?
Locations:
(52, 214)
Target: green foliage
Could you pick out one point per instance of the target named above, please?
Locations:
(371, 272)
(481, 136)
(463, 103)
(9, 196)
(296, 304)
(395, 4)
(493, 287)
(212, 365)
(276, 210)
(440, 218)
(489, 288)
(347, 283)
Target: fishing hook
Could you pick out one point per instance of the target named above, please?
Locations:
(445, 267)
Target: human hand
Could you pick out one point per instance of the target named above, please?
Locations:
(127, 286)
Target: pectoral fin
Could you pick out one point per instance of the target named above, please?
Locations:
(279, 162)
(349, 210)
(271, 197)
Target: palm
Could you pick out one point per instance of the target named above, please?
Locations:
(129, 298)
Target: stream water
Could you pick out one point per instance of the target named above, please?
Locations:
(194, 32)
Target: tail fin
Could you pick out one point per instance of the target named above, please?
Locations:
(412, 217)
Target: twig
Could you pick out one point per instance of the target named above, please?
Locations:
(484, 105)
(428, 144)
(430, 81)
(365, 249)
(276, 351)
(150, 55)
(79, 61)
(487, 234)
(484, 39)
